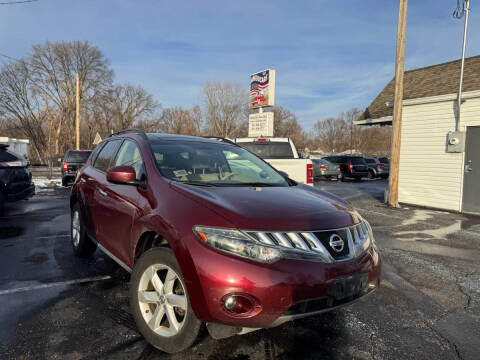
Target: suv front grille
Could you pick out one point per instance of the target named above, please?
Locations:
(326, 244)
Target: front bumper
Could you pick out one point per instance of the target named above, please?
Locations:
(27, 192)
(327, 173)
(280, 289)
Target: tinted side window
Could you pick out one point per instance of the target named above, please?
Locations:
(102, 162)
(129, 154)
(370, 161)
(357, 161)
(7, 156)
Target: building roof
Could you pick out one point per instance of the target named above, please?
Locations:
(441, 79)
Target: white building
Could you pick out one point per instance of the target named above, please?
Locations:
(18, 146)
(430, 175)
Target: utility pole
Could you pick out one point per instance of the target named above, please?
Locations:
(397, 103)
(77, 112)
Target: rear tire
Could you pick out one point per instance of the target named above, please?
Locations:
(64, 181)
(82, 245)
(160, 303)
(371, 174)
(2, 203)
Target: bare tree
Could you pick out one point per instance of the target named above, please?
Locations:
(177, 120)
(130, 104)
(53, 67)
(340, 133)
(226, 108)
(286, 125)
(18, 102)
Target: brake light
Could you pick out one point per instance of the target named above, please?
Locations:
(380, 165)
(338, 167)
(262, 140)
(65, 166)
(13, 163)
(350, 166)
(309, 173)
(323, 167)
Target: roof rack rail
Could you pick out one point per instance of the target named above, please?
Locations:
(132, 130)
(218, 138)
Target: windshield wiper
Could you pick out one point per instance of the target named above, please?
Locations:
(195, 183)
(254, 184)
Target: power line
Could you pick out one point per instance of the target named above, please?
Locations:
(18, 2)
(9, 57)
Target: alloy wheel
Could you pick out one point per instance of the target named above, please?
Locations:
(76, 227)
(162, 300)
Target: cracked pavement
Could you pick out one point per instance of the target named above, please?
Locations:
(427, 307)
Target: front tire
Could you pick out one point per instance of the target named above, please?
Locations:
(160, 303)
(82, 245)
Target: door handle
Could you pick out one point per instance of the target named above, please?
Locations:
(103, 193)
(468, 166)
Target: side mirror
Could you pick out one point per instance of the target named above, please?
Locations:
(122, 175)
(283, 173)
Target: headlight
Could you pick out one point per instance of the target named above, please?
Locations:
(237, 243)
(365, 237)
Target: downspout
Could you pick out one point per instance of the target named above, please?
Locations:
(459, 99)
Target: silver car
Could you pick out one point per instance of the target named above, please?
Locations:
(324, 169)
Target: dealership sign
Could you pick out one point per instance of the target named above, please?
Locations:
(260, 124)
(262, 89)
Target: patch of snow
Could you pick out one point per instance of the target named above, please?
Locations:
(42, 184)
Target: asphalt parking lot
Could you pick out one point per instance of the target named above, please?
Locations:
(428, 307)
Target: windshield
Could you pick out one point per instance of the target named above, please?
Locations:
(213, 164)
(269, 149)
(78, 156)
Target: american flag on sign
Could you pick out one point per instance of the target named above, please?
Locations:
(259, 84)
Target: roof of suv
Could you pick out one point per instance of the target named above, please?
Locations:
(173, 137)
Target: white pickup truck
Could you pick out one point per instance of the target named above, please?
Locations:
(282, 155)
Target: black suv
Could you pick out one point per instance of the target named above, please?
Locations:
(15, 179)
(351, 166)
(73, 161)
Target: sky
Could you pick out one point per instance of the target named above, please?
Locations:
(329, 56)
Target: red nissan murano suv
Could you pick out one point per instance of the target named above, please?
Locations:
(213, 234)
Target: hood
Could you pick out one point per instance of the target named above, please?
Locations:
(292, 208)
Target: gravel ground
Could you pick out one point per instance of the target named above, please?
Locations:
(57, 306)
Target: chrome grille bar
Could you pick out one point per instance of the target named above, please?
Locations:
(297, 241)
(308, 242)
(282, 240)
(265, 238)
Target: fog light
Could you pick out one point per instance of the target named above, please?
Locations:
(240, 305)
(230, 303)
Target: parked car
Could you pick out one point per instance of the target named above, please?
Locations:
(15, 178)
(351, 166)
(386, 162)
(376, 168)
(213, 234)
(327, 170)
(72, 162)
(282, 154)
